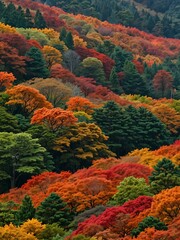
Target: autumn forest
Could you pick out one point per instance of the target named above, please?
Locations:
(89, 120)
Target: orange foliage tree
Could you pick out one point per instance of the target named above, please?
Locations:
(29, 98)
(80, 104)
(166, 205)
(168, 116)
(6, 80)
(84, 193)
(54, 118)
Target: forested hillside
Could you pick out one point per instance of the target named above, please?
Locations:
(89, 127)
(161, 17)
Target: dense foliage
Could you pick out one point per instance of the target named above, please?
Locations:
(89, 124)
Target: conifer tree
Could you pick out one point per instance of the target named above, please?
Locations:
(69, 41)
(54, 210)
(39, 21)
(132, 82)
(114, 81)
(26, 210)
(165, 175)
(28, 19)
(63, 34)
(36, 65)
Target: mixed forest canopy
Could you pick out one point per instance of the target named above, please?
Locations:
(89, 120)
(159, 17)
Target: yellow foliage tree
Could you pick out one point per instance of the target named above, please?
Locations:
(10, 232)
(33, 226)
(51, 55)
(79, 42)
(166, 205)
(6, 28)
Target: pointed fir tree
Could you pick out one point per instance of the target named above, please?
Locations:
(26, 210)
(165, 175)
(69, 41)
(39, 21)
(132, 82)
(28, 19)
(54, 210)
(10, 15)
(120, 56)
(21, 21)
(36, 65)
(114, 81)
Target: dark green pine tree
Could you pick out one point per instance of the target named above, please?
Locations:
(54, 210)
(148, 222)
(9, 15)
(63, 34)
(2, 9)
(28, 19)
(8, 122)
(107, 48)
(69, 41)
(165, 175)
(132, 82)
(114, 81)
(20, 21)
(114, 123)
(120, 56)
(130, 128)
(148, 130)
(26, 210)
(36, 65)
(39, 21)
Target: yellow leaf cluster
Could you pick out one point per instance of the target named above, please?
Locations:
(6, 28)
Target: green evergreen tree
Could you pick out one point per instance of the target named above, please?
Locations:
(165, 175)
(26, 210)
(7, 213)
(120, 56)
(148, 222)
(2, 9)
(20, 155)
(54, 210)
(36, 65)
(8, 122)
(63, 34)
(114, 123)
(69, 41)
(132, 82)
(20, 21)
(130, 128)
(28, 19)
(9, 15)
(114, 82)
(39, 21)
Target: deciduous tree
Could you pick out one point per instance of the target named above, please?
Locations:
(29, 98)
(54, 118)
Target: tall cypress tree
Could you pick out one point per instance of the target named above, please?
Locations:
(54, 210)
(69, 41)
(63, 34)
(39, 21)
(36, 65)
